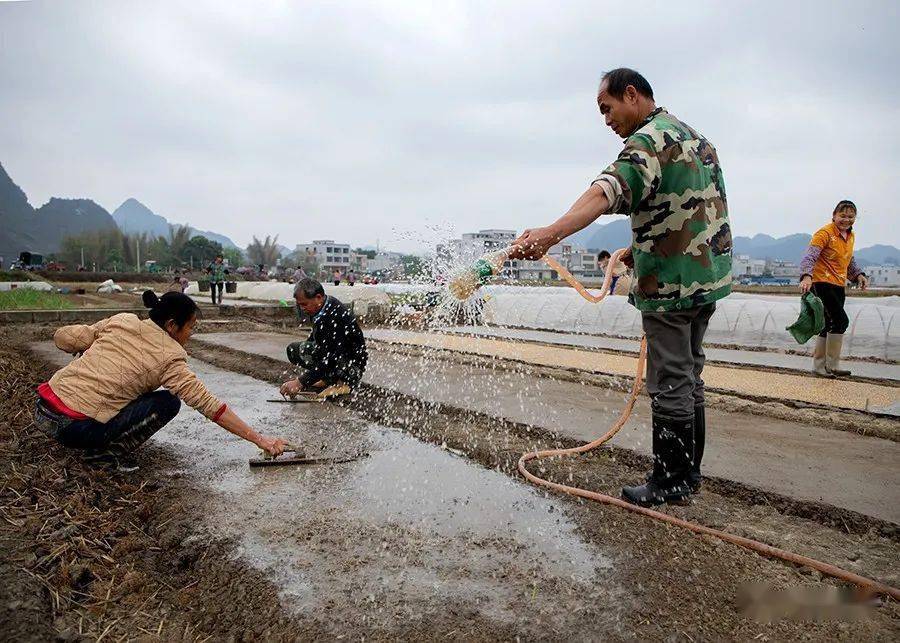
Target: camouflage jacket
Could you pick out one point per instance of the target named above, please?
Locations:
(670, 183)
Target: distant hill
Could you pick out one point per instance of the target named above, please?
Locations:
(604, 236)
(42, 230)
(17, 223)
(70, 217)
(763, 246)
(617, 234)
(793, 247)
(134, 216)
(878, 255)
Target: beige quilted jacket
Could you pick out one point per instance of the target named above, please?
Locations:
(123, 358)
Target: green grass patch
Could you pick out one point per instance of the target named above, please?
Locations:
(26, 299)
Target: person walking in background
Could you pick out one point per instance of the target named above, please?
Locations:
(106, 401)
(351, 278)
(618, 271)
(669, 181)
(299, 275)
(217, 272)
(337, 277)
(825, 269)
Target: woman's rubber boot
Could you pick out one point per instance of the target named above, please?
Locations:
(699, 443)
(673, 448)
(833, 345)
(819, 356)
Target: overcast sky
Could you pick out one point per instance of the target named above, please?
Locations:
(402, 122)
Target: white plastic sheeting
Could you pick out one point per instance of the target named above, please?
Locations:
(741, 319)
(109, 286)
(362, 295)
(25, 285)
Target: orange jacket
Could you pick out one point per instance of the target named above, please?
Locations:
(835, 256)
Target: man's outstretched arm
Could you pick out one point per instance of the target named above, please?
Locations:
(534, 243)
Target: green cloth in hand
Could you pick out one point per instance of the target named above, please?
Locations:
(811, 320)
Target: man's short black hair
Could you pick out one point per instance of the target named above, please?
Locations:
(604, 254)
(309, 287)
(618, 79)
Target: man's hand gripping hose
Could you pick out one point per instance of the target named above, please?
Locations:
(462, 288)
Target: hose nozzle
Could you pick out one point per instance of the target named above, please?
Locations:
(474, 277)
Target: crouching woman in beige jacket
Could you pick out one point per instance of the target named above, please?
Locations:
(107, 401)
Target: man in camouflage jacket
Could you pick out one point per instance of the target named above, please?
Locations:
(668, 180)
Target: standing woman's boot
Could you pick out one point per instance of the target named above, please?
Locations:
(819, 355)
(833, 345)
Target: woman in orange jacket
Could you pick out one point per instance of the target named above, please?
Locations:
(106, 401)
(825, 269)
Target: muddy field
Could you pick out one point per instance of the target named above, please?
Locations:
(429, 536)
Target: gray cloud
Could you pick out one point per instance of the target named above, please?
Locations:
(363, 121)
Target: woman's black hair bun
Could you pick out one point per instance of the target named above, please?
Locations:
(150, 299)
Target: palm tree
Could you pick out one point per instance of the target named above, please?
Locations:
(179, 235)
(264, 252)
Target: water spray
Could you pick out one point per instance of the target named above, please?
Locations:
(465, 284)
(479, 273)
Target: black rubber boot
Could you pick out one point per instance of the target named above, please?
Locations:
(673, 448)
(699, 442)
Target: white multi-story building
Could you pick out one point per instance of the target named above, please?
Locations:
(883, 276)
(778, 268)
(384, 262)
(582, 263)
(744, 266)
(526, 270)
(359, 263)
(330, 256)
(474, 245)
(585, 265)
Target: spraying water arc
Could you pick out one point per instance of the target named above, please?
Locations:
(464, 285)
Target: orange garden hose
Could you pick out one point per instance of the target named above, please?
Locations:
(867, 585)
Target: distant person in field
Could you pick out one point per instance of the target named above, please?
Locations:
(299, 275)
(351, 278)
(179, 283)
(825, 270)
(217, 271)
(618, 271)
(334, 355)
(668, 180)
(106, 403)
(337, 277)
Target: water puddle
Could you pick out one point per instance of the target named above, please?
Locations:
(402, 533)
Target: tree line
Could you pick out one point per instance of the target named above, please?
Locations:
(114, 250)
